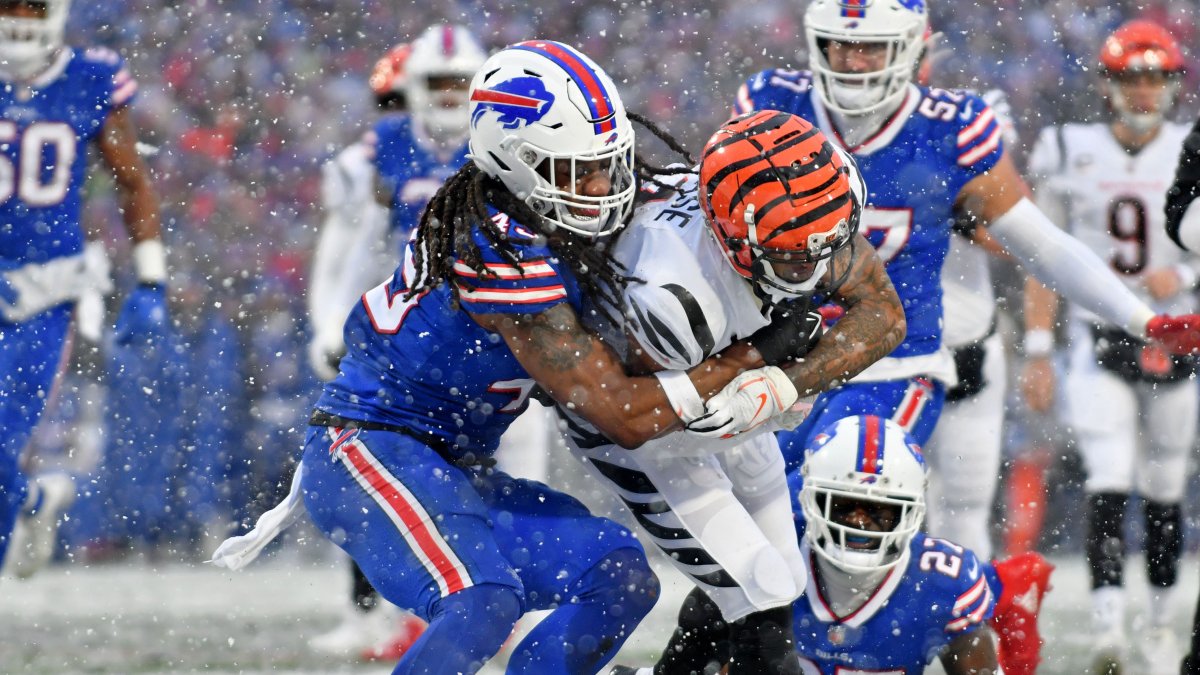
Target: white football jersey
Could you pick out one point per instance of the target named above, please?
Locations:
(1112, 201)
(690, 302)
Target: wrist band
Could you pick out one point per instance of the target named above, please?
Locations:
(1038, 342)
(150, 261)
(682, 394)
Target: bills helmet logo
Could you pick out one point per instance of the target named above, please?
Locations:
(519, 102)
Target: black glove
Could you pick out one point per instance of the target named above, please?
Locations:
(794, 330)
(1186, 187)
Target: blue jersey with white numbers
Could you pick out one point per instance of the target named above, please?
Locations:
(942, 592)
(45, 128)
(427, 367)
(412, 170)
(914, 167)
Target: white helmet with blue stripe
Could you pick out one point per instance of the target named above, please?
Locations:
(442, 61)
(864, 493)
(27, 43)
(895, 26)
(539, 111)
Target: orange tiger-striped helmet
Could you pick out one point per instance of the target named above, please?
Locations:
(780, 198)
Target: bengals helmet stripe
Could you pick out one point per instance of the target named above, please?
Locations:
(775, 191)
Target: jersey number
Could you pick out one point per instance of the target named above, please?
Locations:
(945, 563)
(1127, 224)
(888, 230)
(26, 179)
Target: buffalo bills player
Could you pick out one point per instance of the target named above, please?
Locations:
(1132, 407)
(440, 358)
(415, 153)
(57, 102)
(882, 597)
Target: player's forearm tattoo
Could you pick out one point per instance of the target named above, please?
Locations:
(557, 339)
(872, 327)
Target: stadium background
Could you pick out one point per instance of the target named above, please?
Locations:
(242, 101)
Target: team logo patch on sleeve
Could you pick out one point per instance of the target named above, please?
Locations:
(519, 102)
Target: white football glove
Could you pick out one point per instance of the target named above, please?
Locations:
(749, 400)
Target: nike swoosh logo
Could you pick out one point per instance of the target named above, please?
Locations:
(762, 403)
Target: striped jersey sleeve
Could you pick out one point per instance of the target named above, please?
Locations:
(531, 284)
(975, 602)
(124, 87)
(980, 140)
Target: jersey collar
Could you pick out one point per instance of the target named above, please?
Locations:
(863, 614)
(52, 72)
(881, 139)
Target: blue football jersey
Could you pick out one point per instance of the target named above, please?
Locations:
(914, 167)
(45, 127)
(425, 366)
(940, 593)
(412, 170)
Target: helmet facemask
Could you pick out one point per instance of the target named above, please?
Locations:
(27, 44)
(890, 33)
(581, 213)
(858, 549)
(1141, 121)
(863, 494)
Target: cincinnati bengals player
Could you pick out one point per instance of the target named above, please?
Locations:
(769, 221)
(1132, 406)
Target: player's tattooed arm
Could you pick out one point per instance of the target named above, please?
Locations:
(871, 328)
(971, 654)
(579, 370)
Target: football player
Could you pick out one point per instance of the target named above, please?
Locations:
(775, 223)
(440, 358)
(1133, 406)
(881, 596)
(414, 154)
(56, 103)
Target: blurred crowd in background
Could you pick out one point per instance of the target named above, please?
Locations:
(241, 101)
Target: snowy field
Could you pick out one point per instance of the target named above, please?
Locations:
(138, 617)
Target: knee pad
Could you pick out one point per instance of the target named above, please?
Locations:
(1106, 538)
(1164, 542)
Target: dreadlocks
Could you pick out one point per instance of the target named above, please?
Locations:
(460, 206)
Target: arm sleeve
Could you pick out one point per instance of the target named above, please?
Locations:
(1069, 268)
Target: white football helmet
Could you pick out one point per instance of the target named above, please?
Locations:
(898, 24)
(540, 101)
(442, 51)
(27, 44)
(860, 462)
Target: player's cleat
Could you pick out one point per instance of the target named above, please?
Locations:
(1025, 578)
(1161, 651)
(36, 532)
(408, 629)
(357, 632)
